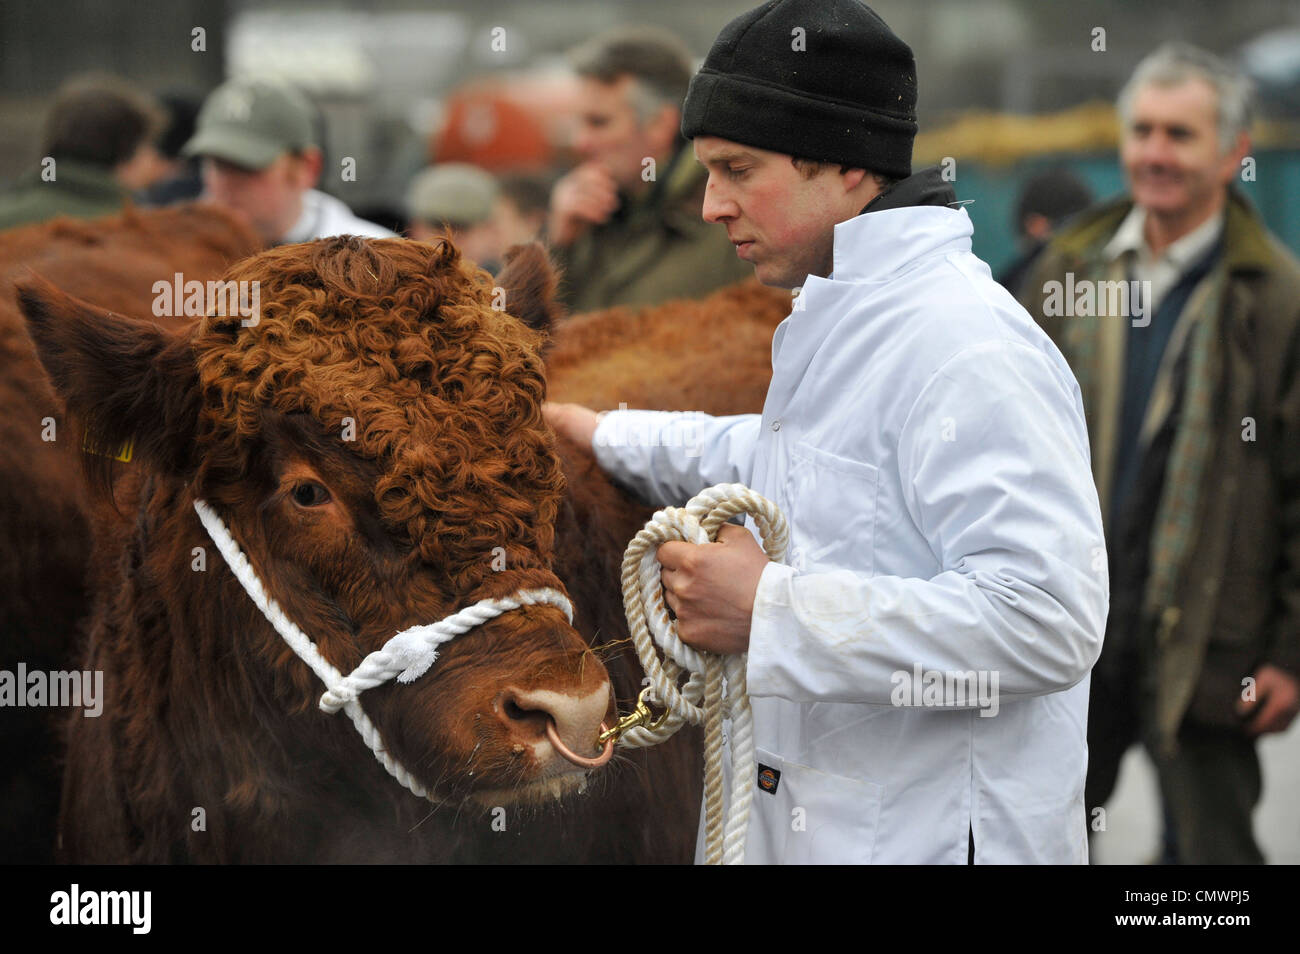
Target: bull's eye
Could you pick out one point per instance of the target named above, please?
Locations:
(310, 494)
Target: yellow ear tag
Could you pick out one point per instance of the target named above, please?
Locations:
(123, 453)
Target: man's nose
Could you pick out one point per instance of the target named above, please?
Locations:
(584, 143)
(717, 206)
(1157, 150)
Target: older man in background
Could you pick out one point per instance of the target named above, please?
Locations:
(1193, 400)
(625, 224)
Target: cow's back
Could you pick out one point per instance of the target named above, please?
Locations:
(713, 355)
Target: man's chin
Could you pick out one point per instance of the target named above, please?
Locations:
(1159, 201)
(773, 278)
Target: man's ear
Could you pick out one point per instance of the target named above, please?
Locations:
(853, 177)
(663, 126)
(1231, 167)
(860, 185)
(310, 163)
(122, 381)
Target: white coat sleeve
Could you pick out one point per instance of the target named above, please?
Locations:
(994, 469)
(667, 457)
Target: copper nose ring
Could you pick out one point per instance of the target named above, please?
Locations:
(554, 737)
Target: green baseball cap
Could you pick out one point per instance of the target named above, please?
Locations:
(251, 123)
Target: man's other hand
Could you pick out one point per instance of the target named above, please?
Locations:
(1276, 702)
(574, 421)
(585, 197)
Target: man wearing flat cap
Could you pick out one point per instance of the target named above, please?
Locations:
(459, 202)
(261, 159)
(919, 666)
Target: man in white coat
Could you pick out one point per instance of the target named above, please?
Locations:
(919, 670)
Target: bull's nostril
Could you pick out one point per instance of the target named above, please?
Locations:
(515, 711)
(526, 721)
(559, 726)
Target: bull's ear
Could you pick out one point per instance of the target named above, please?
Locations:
(529, 280)
(122, 380)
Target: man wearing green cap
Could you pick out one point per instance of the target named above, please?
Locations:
(919, 666)
(261, 160)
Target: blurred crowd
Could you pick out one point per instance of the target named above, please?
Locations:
(625, 223)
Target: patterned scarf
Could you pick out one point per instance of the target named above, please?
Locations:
(1183, 491)
(1189, 459)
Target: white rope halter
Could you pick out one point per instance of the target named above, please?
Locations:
(702, 699)
(408, 655)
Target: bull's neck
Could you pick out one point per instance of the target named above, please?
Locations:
(595, 524)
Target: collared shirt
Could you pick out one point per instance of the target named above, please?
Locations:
(927, 444)
(324, 216)
(1161, 271)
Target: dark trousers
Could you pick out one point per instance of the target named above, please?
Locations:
(1210, 786)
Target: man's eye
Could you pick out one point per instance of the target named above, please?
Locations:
(735, 173)
(310, 494)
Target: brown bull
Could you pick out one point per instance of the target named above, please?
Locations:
(375, 444)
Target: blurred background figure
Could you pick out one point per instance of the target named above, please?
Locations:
(97, 149)
(1202, 510)
(522, 205)
(1046, 201)
(457, 201)
(261, 159)
(180, 180)
(626, 223)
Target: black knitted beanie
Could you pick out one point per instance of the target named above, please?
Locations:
(817, 79)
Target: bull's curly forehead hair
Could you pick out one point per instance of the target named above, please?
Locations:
(445, 393)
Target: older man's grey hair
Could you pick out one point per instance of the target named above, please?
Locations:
(656, 59)
(1174, 63)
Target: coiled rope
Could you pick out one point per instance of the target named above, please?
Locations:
(714, 690)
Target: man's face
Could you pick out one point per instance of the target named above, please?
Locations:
(269, 199)
(781, 222)
(610, 134)
(1170, 150)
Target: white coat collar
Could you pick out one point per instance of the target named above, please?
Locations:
(871, 247)
(874, 245)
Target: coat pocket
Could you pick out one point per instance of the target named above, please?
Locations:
(831, 506)
(804, 816)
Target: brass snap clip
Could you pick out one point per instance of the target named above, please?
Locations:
(639, 716)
